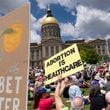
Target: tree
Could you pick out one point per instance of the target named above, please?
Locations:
(88, 54)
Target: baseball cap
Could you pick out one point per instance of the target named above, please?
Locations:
(42, 90)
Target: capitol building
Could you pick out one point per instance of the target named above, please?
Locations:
(51, 42)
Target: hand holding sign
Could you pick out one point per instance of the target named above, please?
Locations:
(59, 78)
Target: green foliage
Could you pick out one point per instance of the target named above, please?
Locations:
(105, 58)
(88, 54)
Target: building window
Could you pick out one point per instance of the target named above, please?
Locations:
(53, 33)
(57, 49)
(47, 51)
(32, 64)
(52, 50)
(32, 55)
(103, 47)
(98, 46)
(103, 51)
(50, 33)
(48, 27)
(57, 34)
(46, 33)
(37, 54)
(99, 51)
(43, 32)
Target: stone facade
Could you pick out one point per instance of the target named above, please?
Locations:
(39, 53)
(108, 46)
(100, 46)
(51, 42)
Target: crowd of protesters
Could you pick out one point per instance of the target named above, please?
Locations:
(96, 79)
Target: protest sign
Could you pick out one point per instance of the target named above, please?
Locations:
(14, 61)
(65, 63)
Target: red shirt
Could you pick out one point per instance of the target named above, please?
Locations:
(46, 104)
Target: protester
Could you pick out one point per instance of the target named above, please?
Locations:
(69, 87)
(76, 103)
(30, 94)
(74, 90)
(95, 81)
(43, 100)
(66, 89)
(107, 84)
(97, 100)
(102, 81)
(107, 97)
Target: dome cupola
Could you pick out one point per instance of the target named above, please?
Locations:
(50, 27)
(49, 18)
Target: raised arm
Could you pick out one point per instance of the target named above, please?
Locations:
(58, 100)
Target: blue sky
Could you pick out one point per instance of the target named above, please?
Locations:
(91, 21)
(61, 14)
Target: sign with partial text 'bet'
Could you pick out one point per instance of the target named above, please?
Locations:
(14, 59)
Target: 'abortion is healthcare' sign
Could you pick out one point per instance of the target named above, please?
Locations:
(65, 63)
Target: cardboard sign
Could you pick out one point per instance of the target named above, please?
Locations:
(65, 63)
(14, 61)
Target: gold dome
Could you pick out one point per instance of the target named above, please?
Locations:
(49, 20)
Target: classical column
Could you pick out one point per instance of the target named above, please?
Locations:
(43, 51)
(35, 55)
(40, 54)
(101, 49)
(55, 50)
(60, 48)
(49, 51)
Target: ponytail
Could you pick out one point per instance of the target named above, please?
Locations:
(37, 98)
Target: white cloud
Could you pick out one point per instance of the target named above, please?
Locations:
(92, 23)
(67, 29)
(73, 13)
(66, 3)
(93, 17)
(33, 19)
(98, 4)
(9, 5)
(37, 23)
(44, 3)
(35, 37)
(36, 28)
